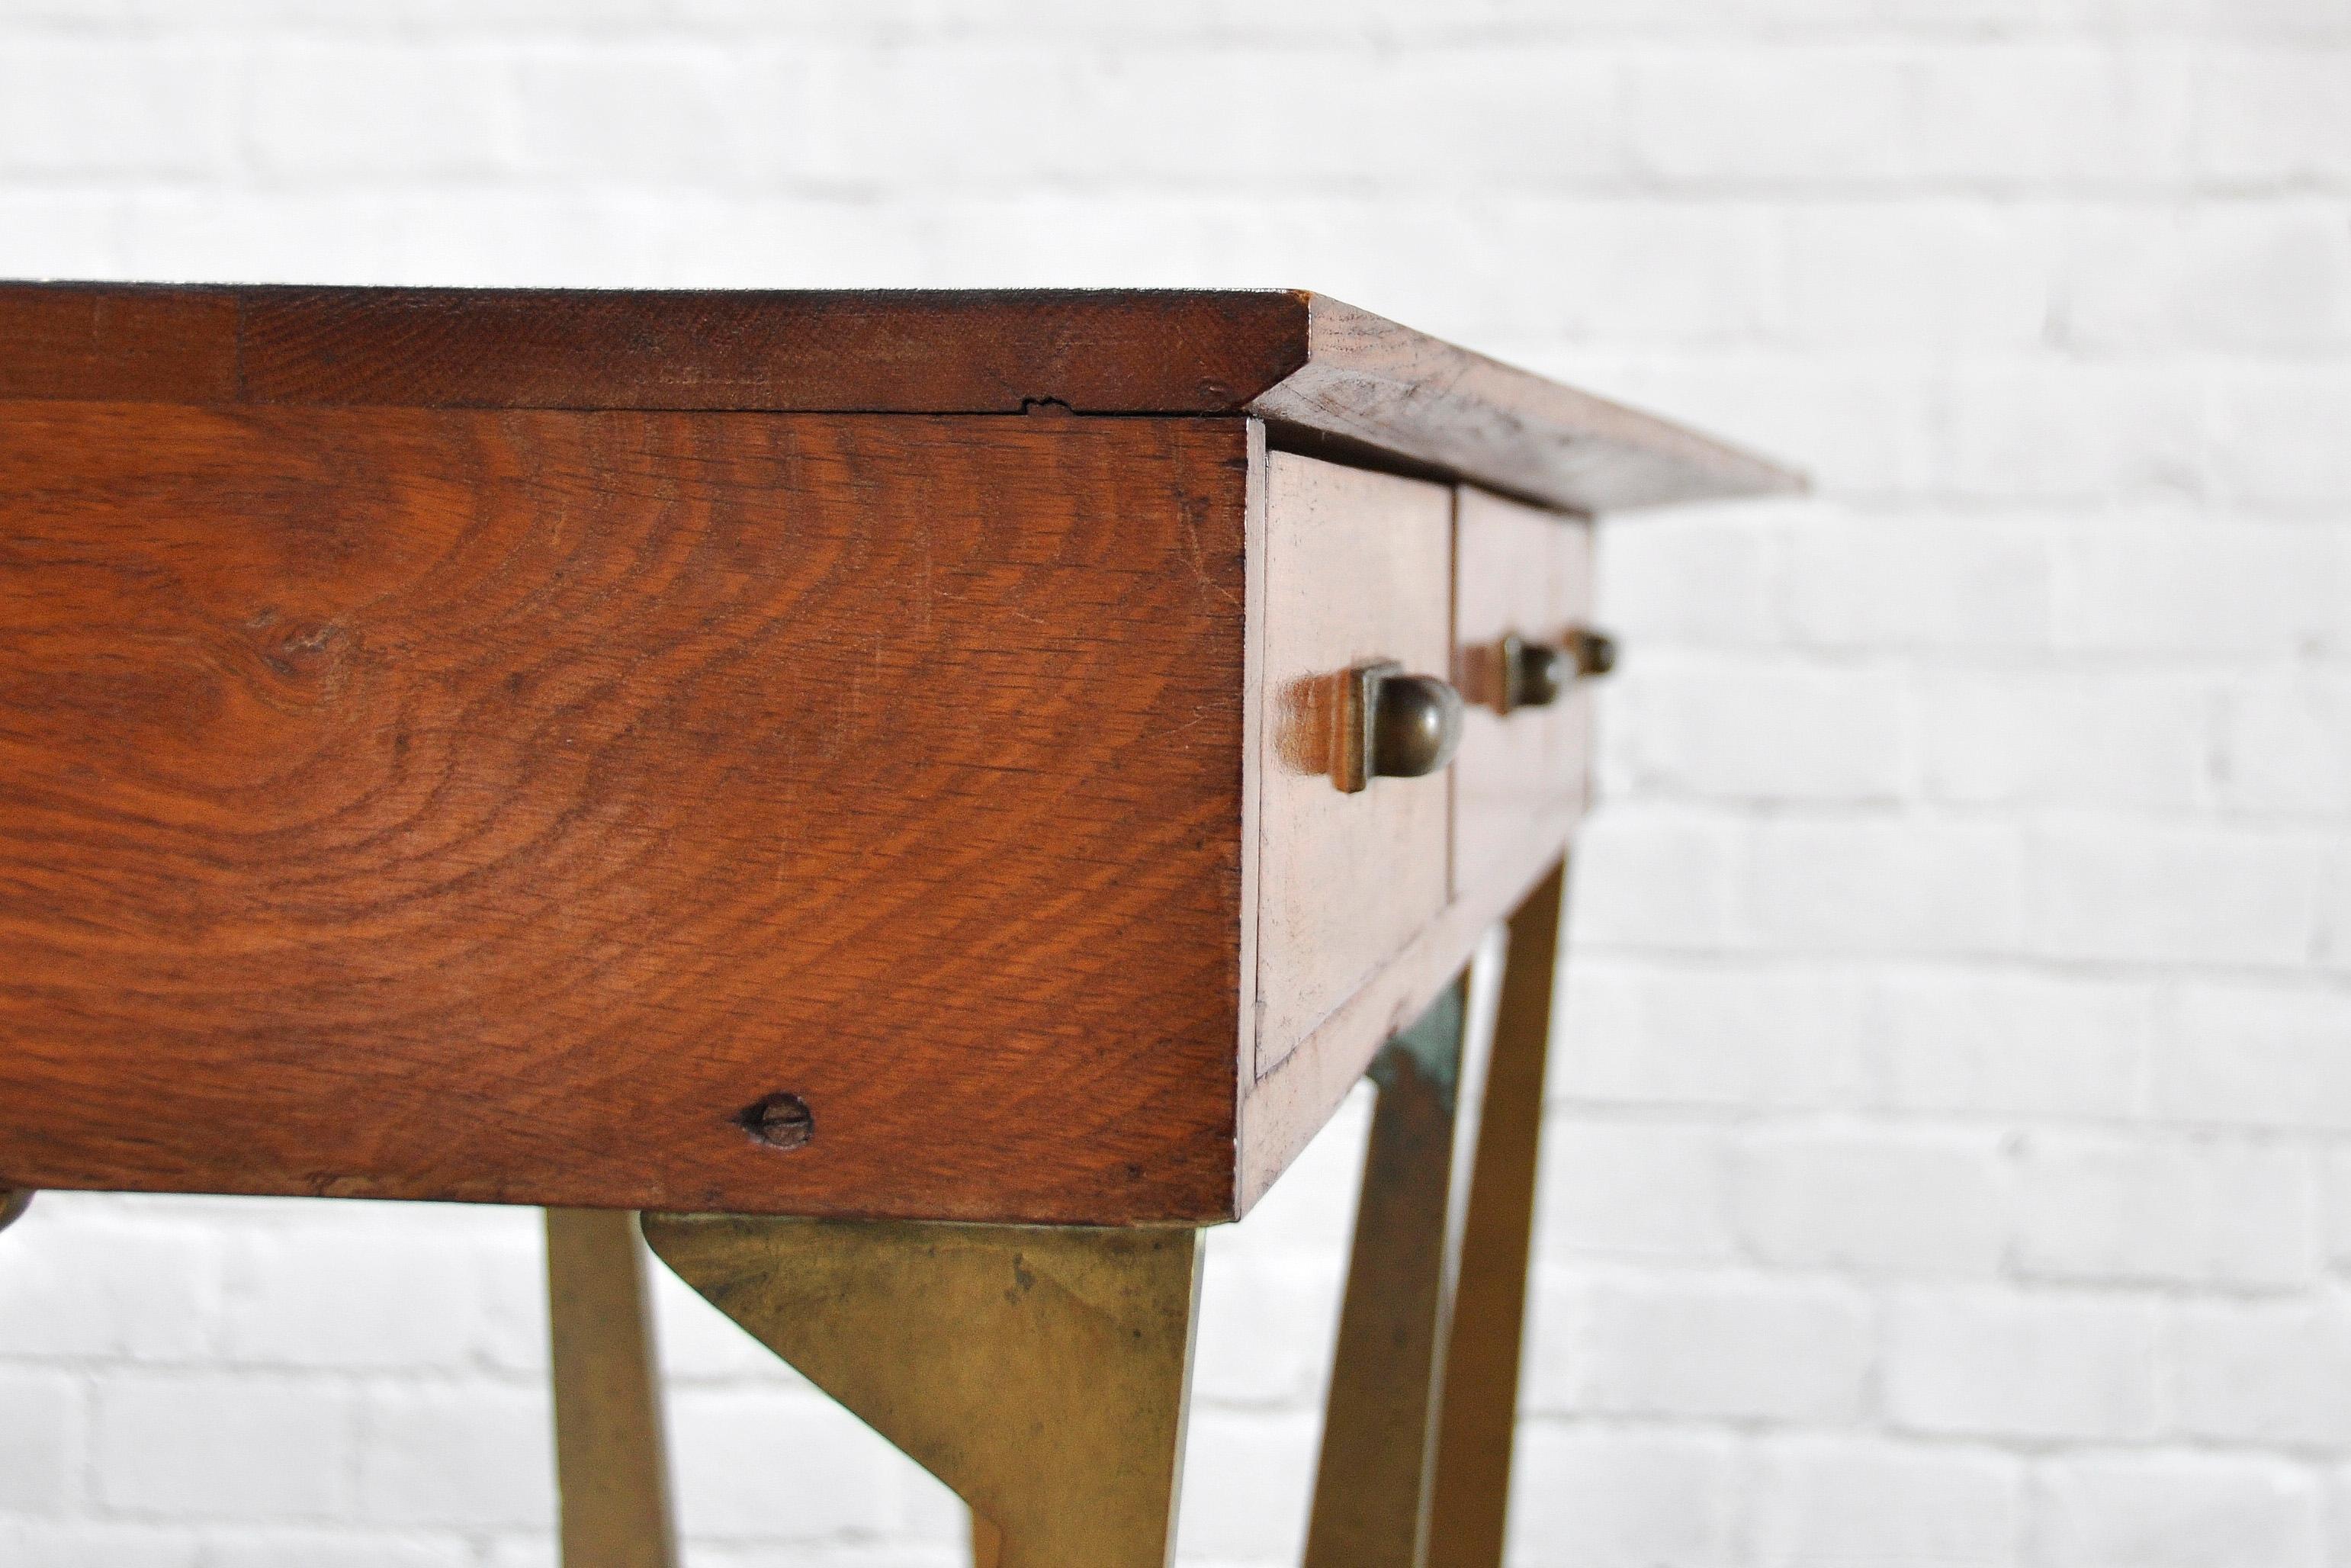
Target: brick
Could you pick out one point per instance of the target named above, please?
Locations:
(221, 1446)
(1708, 1032)
(335, 1549)
(2174, 1510)
(2062, 112)
(2011, 1044)
(1247, 1482)
(1728, 1348)
(95, 1543)
(1738, 729)
(345, 111)
(1881, 1203)
(1623, 271)
(85, 1278)
(2034, 429)
(2123, 891)
(40, 1422)
(2104, 1208)
(115, 110)
(1820, 115)
(2133, 741)
(2273, 114)
(1615, 1497)
(1877, 886)
(2273, 434)
(1264, 1333)
(1652, 877)
(2033, 1366)
(2334, 1197)
(1873, 580)
(1823, 1499)
(1633, 1191)
(2285, 745)
(2256, 1056)
(1862, 427)
(1695, 577)
(729, 1449)
(318, 1296)
(2167, 584)
(1909, 274)
(2262, 276)
(2273, 1373)
(968, 115)
(657, 112)
(465, 1457)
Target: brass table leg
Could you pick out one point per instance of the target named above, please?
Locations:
(1417, 1442)
(1479, 1416)
(13, 1201)
(1373, 1485)
(610, 1462)
(1041, 1372)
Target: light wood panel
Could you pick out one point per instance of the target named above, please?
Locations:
(1358, 567)
(1526, 571)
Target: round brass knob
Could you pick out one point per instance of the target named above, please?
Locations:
(1416, 726)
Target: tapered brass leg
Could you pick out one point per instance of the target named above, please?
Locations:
(1478, 1414)
(1041, 1371)
(13, 1201)
(1374, 1488)
(609, 1461)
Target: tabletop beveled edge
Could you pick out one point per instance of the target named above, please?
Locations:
(1313, 367)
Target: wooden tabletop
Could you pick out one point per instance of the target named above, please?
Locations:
(1322, 374)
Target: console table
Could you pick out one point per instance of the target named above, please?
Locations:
(927, 799)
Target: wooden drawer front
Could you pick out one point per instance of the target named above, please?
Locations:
(1521, 776)
(1358, 567)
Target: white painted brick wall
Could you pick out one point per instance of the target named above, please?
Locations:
(1950, 1138)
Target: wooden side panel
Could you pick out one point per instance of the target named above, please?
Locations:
(1527, 572)
(1358, 567)
(448, 804)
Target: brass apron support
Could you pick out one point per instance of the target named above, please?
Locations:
(1041, 1372)
(1375, 1487)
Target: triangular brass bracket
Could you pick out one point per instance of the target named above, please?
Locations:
(1041, 1372)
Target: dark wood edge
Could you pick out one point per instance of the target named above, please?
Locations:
(1371, 384)
(1325, 375)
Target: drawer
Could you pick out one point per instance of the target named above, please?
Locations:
(1358, 570)
(1520, 775)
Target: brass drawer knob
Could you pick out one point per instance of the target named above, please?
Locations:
(1594, 653)
(1533, 674)
(1395, 726)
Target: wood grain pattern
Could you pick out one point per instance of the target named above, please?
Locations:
(1371, 383)
(1358, 567)
(1316, 370)
(492, 806)
(1517, 570)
